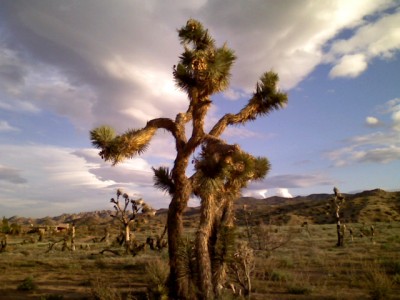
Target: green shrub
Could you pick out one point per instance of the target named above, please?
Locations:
(27, 284)
(278, 276)
(298, 290)
(378, 282)
(156, 276)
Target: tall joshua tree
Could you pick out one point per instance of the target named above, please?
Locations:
(203, 70)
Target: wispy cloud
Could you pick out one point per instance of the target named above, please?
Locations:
(6, 127)
(67, 180)
(379, 39)
(376, 147)
(11, 175)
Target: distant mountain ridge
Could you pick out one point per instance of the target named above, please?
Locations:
(368, 206)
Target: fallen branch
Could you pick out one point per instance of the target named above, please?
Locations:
(51, 245)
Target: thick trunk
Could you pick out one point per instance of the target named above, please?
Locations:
(338, 229)
(127, 234)
(203, 248)
(223, 219)
(178, 281)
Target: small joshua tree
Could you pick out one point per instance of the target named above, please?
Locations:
(241, 267)
(127, 217)
(338, 201)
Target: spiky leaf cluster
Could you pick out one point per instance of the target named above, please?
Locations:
(116, 148)
(203, 68)
(163, 180)
(267, 97)
(221, 165)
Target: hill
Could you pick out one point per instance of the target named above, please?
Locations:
(368, 206)
(365, 207)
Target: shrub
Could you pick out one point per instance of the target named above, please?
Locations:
(156, 275)
(299, 290)
(278, 276)
(27, 284)
(378, 282)
(101, 290)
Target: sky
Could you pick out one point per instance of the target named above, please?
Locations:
(67, 67)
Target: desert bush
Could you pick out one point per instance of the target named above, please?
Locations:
(391, 266)
(156, 276)
(241, 267)
(298, 290)
(279, 276)
(377, 282)
(101, 290)
(300, 285)
(28, 284)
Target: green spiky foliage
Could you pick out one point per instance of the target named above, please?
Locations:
(203, 69)
(117, 148)
(222, 170)
(163, 180)
(267, 97)
(221, 165)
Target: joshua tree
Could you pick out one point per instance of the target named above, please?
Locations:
(203, 70)
(221, 172)
(338, 201)
(125, 216)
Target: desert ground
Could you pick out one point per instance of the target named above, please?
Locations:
(291, 262)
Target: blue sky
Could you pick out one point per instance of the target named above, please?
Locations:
(69, 66)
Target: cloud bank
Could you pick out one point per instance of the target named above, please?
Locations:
(91, 62)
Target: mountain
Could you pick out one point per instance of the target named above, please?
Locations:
(368, 206)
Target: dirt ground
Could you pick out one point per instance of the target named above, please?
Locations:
(309, 266)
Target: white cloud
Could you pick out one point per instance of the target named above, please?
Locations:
(283, 192)
(393, 107)
(292, 181)
(53, 180)
(349, 66)
(372, 121)
(117, 69)
(376, 147)
(259, 194)
(377, 39)
(72, 62)
(232, 94)
(5, 127)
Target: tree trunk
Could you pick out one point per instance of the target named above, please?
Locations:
(178, 277)
(203, 248)
(338, 229)
(73, 237)
(224, 218)
(127, 233)
(127, 237)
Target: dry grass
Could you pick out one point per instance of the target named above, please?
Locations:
(310, 266)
